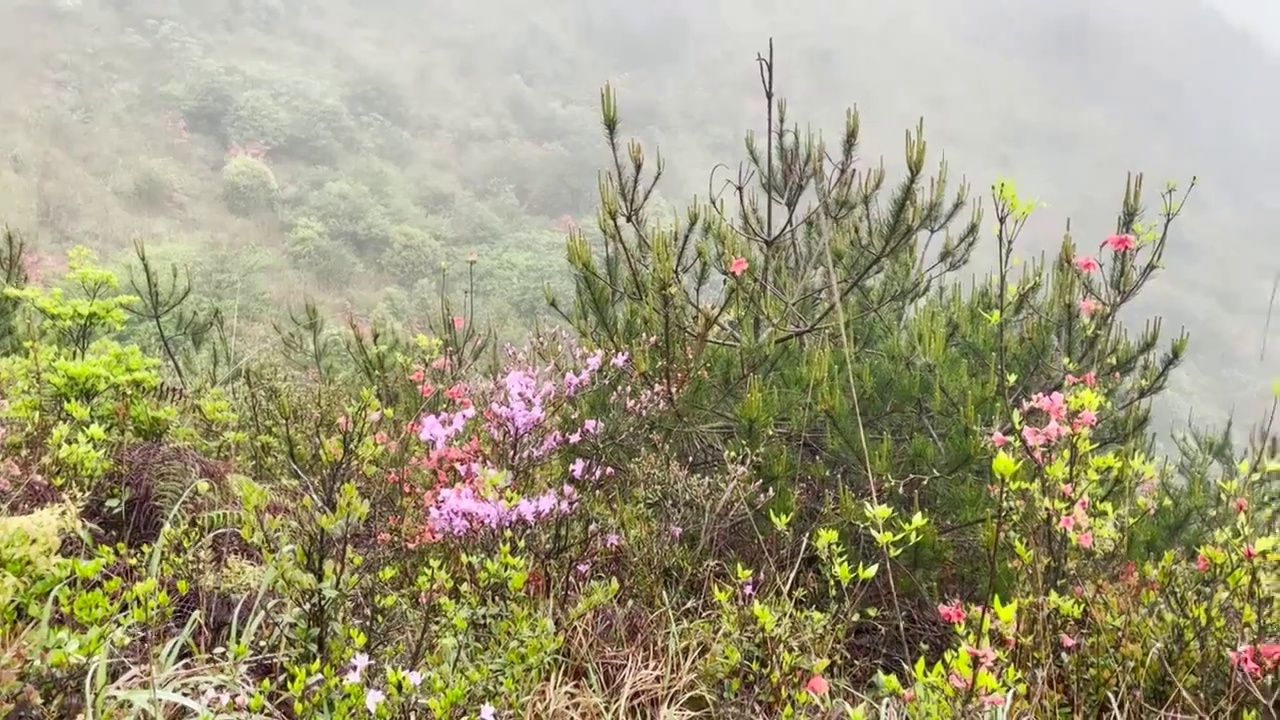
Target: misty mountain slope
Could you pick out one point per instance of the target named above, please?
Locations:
(470, 127)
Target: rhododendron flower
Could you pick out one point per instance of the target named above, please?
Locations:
(993, 700)
(817, 685)
(1067, 641)
(612, 540)
(738, 266)
(1202, 563)
(908, 696)
(1085, 418)
(487, 712)
(458, 322)
(415, 678)
(373, 699)
(1066, 522)
(952, 612)
(1119, 243)
(1249, 552)
(1240, 504)
(360, 662)
(958, 681)
(999, 439)
(1089, 306)
(1085, 263)
(1085, 539)
(986, 657)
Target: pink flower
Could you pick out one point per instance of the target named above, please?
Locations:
(986, 657)
(1066, 522)
(952, 612)
(1119, 243)
(1240, 504)
(817, 685)
(1086, 418)
(958, 681)
(1202, 563)
(993, 700)
(487, 712)
(908, 696)
(1084, 263)
(415, 678)
(1089, 306)
(738, 266)
(458, 322)
(999, 439)
(1067, 641)
(1085, 539)
(1249, 552)
(612, 540)
(373, 699)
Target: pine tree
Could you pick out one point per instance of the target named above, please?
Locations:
(810, 319)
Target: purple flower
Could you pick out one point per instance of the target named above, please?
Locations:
(612, 540)
(487, 712)
(373, 699)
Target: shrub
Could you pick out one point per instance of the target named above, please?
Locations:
(351, 216)
(248, 186)
(311, 247)
(412, 255)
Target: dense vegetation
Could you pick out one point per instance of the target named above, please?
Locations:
(778, 459)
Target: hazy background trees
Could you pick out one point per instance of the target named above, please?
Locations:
(346, 150)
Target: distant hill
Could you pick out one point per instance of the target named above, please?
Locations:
(405, 134)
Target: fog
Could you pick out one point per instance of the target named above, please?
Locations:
(402, 134)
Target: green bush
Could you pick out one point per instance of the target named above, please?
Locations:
(351, 216)
(412, 255)
(248, 186)
(314, 250)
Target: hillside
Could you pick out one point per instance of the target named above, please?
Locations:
(404, 135)
(455, 417)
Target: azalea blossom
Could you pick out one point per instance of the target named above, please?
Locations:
(999, 439)
(373, 699)
(738, 266)
(1202, 563)
(1120, 243)
(1089, 306)
(1085, 539)
(952, 612)
(817, 685)
(1085, 263)
(1067, 641)
(487, 712)
(458, 322)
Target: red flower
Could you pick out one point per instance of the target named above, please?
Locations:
(1120, 243)
(458, 322)
(817, 685)
(738, 266)
(952, 612)
(1084, 263)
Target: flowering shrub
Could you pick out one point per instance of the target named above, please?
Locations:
(777, 472)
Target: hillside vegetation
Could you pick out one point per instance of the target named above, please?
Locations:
(371, 383)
